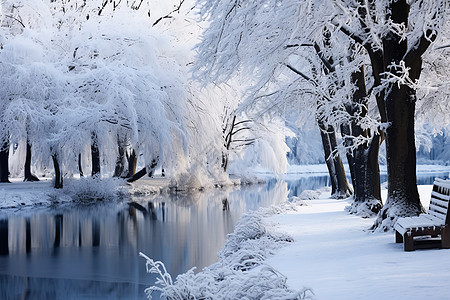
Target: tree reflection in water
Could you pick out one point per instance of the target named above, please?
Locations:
(92, 251)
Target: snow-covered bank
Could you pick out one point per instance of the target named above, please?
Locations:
(335, 255)
(323, 250)
(240, 272)
(18, 194)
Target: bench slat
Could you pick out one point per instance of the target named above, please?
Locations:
(414, 222)
(433, 223)
(438, 209)
(441, 203)
(438, 221)
(437, 215)
(442, 183)
(440, 196)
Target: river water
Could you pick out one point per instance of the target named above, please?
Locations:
(92, 251)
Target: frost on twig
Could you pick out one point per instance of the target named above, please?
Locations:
(240, 272)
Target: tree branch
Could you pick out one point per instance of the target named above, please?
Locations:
(240, 122)
(243, 140)
(419, 49)
(442, 47)
(169, 15)
(306, 77)
(325, 61)
(240, 129)
(348, 32)
(298, 45)
(16, 19)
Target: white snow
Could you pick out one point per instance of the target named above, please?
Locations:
(18, 194)
(335, 255)
(324, 250)
(332, 253)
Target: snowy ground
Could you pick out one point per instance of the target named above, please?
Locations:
(335, 256)
(332, 252)
(18, 194)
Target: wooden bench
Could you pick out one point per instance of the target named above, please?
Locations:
(430, 230)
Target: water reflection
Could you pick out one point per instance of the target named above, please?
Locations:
(297, 184)
(427, 179)
(91, 252)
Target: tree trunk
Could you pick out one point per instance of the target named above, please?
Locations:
(4, 164)
(80, 169)
(363, 161)
(27, 170)
(339, 185)
(120, 166)
(403, 197)
(95, 155)
(58, 175)
(149, 169)
(132, 164)
(367, 190)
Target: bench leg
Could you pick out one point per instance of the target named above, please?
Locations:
(408, 242)
(445, 238)
(398, 237)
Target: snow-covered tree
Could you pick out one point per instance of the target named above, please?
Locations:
(90, 89)
(395, 35)
(259, 39)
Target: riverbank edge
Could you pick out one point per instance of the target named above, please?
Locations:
(23, 195)
(241, 270)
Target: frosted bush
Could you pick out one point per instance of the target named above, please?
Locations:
(240, 272)
(310, 195)
(92, 189)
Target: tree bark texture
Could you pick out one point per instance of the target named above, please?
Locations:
(80, 169)
(339, 184)
(120, 166)
(363, 161)
(132, 163)
(58, 174)
(147, 170)
(95, 155)
(4, 163)
(27, 168)
(403, 197)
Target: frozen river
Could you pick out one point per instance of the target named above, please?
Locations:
(92, 251)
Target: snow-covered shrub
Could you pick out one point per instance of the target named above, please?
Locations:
(302, 200)
(92, 189)
(310, 195)
(240, 272)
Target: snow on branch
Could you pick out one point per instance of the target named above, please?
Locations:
(398, 74)
(169, 15)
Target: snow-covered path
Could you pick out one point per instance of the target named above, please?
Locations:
(334, 254)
